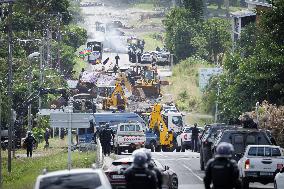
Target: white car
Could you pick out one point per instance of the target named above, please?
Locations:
(260, 163)
(74, 178)
(146, 58)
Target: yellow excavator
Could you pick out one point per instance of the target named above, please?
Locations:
(116, 100)
(158, 126)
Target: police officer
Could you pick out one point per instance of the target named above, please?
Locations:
(194, 138)
(30, 141)
(138, 176)
(106, 136)
(152, 167)
(222, 171)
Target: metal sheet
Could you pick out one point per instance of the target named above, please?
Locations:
(78, 120)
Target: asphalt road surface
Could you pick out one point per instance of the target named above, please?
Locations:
(187, 167)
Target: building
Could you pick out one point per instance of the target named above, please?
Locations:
(242, 18)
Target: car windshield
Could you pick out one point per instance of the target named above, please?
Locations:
(187, 130)
(71, 181)
(264, 151)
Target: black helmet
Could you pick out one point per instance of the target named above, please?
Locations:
(146, 151)
(224, 149)
(140, 159)
(107, 125)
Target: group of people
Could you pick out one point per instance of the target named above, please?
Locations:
(30, 141)
(222, 172)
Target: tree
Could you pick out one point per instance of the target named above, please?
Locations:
(196, 8)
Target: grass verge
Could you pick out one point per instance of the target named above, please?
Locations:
(25, 170)
(79, 63)
(184, 89)
(150, 42)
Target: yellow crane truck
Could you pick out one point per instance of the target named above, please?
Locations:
(164, 130)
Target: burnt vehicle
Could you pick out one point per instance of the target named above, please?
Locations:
(115, 173)
(206, 140)
(240, 138)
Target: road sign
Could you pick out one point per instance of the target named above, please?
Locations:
(62, 120)
(205, 75)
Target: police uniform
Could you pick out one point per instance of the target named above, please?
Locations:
(222, 171)
(140, 178)
(106, 136)
(158, 174)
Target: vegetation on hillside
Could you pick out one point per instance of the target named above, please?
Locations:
(30, 21)
(255, 71)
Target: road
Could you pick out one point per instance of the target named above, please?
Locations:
(187, 167)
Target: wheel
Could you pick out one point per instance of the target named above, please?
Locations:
(245, 183)
(158, 149)
(174, 184)
(201, 161)
(118, 151)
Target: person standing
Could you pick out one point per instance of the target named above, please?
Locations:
(138, 176)
(106, 137)
(194, 138)
(46, 137)
(30, 141)
(222, 171)
(116, 60)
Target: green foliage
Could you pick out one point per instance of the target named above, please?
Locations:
(26, 170)
(255, 72)
(188, 35)
(74, 36)
(29, 21)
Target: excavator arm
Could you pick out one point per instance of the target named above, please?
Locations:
(158, 126)
(117, 98)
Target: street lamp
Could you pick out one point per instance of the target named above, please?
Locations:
(30, 57)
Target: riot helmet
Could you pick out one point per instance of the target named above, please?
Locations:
(140, 159)
(224, 149)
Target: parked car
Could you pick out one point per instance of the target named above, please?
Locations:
(260, 163)
(240, 138)
(115, 173)
(146, 58)
(206, 141)
(186, 137)
(75, 178)
(279, 179)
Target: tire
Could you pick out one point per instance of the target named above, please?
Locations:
(174, 183)
(245, 183)
(158, 149)
(201, 161)
(118, 151)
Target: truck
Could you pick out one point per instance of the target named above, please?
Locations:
(260, 163)
(129, 136)
(96, 49)
(164, 130)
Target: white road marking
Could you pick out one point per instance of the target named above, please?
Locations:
(193, 173)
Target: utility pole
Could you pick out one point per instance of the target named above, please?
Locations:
(10, 85)
(59, 18)
(40, 72)
(0, 133)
